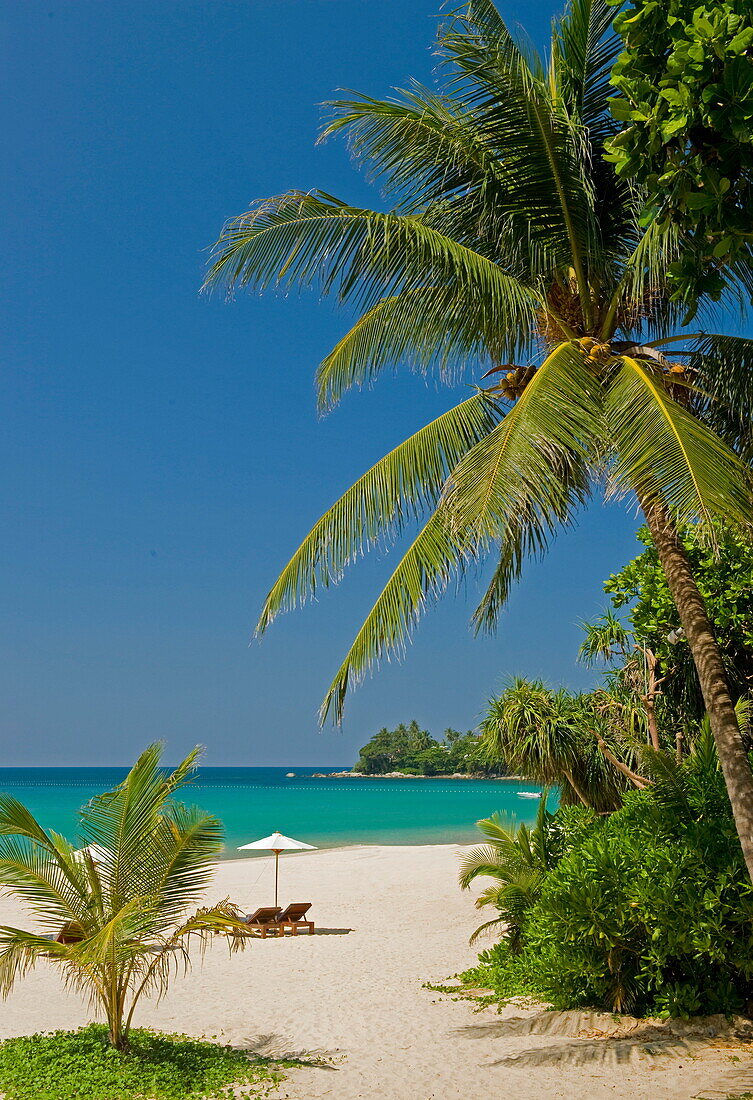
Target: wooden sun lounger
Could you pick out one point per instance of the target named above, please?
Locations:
(264, 920)
(293, 918)
(70, 933)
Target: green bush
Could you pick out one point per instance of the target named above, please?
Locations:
(65, 1065)
(650, 911)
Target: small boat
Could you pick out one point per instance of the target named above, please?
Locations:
(529, 794)
(290, 775)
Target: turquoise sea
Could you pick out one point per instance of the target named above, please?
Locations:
(253, 802)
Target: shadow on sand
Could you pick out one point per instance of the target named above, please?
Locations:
(579, 1039)
(279, 1048)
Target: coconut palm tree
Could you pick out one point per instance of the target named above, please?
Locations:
(510, 249)
(121, 903)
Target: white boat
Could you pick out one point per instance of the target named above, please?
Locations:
(529, 794)
(290, 775)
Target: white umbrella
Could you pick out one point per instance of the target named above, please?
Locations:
(276, 843)
(96, 851)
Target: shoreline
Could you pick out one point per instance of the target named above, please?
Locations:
(389, 919)
(345, 848)
(475, 777)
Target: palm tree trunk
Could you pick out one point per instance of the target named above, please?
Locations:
(638, 781)
(650, 697)
(710, 668)
(576, 788)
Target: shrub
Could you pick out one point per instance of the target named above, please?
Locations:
(649, 910)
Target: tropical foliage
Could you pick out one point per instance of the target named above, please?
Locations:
(122, 901)
(724, 573)
(517, 858)
(554, 737)
(685, 80)
(510, 248)
(67, 1064)
(510, 244)
(413, 750)
(590, 744)
(646, 910)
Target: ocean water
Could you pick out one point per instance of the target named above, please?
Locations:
(253, 802)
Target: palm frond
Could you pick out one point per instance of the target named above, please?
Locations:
(480, 862)
(722, 367)
(544, 148)
(641, 294)
(19, 954)
(397, 489)
(664, 451)
(499, 923)
(123, 823)
(41, 882)
(533, 469)
(606, 639)
(363, 255)
(422, 146)
(188, 839)
(522, 541)
(437, 553)
(516, 858)
(585, 51)
(436, 329)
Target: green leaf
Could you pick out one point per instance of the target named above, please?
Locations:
(664, 451)
(397, 489)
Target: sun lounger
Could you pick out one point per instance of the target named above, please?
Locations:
(264, 921)
(293, 918)
(70, 933)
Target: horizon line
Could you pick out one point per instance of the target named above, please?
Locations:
(172, 765)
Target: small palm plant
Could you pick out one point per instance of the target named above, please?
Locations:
(123, 900)
(518, 859)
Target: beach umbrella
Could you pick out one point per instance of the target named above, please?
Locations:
(96, 851)
(276, 843)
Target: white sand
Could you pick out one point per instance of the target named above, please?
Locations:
(359, 997)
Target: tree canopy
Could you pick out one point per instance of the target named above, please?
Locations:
(513, 250)
(724, 573)
(413, 750)
(685, 82)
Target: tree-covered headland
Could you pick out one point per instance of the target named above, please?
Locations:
(414, 751)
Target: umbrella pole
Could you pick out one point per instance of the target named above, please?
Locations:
(277, 871)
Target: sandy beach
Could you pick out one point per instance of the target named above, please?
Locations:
(388, 920)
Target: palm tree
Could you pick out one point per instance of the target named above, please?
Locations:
(510, 244)
(517, 858)
(552, 737)
(123, 899)
(633, 673)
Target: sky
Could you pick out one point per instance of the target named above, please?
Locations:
(161, 452)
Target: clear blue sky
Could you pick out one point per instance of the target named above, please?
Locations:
(161, 454)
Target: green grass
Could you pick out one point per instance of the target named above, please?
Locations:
(65, 1065)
